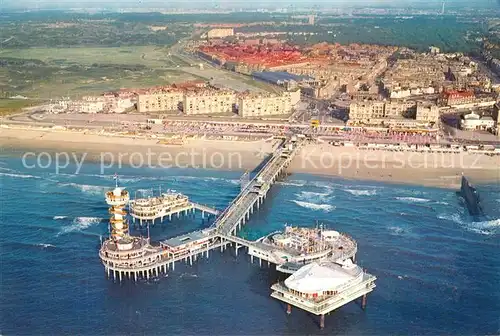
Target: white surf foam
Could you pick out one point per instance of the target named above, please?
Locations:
(59, 217)
(188, 275)
(314, 206)
(45, 245)
(487, 227)
(413, 199)
(88, 189)
(361, 192)
(396, 230)
(80, 223)
(292, 183)
(310, 196)
(19, 175)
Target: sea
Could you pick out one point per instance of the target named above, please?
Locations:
(437, 269)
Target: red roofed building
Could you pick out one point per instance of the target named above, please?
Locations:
(453, 97)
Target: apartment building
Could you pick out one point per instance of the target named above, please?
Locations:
(373, 112)
(395, 109)
(427, 112)
(160, 101)
(366, 110)
(258, 105)
(208, 101)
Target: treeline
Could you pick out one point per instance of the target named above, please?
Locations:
(90, 34)
(52, 16)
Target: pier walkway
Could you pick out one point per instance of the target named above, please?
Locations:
(204, 208)
(254, 194)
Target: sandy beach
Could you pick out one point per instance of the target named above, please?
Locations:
(430, 169)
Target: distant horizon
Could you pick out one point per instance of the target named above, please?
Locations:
(241, 5)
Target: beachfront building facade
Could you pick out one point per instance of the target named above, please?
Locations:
(209, 101)
(376, 112)
(473, 121)
(427, 113)
(365, 110)
(159, 101)
(258, 104)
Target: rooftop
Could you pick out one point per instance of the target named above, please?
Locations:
(323, 276)
(186, 238)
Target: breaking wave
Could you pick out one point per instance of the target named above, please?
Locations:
(413, 199)
(188, 275)
(80, 223)
(19, 175)
(59, 217)
(45, 245)
(88, 189)
(396, 230)
(296, 183)
(487, 227)
(361, 192)
(314, 206)
(313, 196)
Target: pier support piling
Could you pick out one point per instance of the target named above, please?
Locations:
(289, 309)
(322, 322)
(363, 302)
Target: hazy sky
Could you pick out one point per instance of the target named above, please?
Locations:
(237, 3)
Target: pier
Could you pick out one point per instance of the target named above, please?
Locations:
(125, 256)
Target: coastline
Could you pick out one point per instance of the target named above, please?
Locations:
(426, 169)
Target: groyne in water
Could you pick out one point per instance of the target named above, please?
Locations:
(471, 198)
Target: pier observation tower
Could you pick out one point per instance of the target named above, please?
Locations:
(118, 199)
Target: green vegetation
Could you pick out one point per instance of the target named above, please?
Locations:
(10, 106)
(449, 33)
(54, 72)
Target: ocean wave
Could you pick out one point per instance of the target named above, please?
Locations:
(59, 217)
(314, 206)
(361, 192)
(80, 223)
(487, 227)
(413, 199)
(397, 230)
(311, 196)
(188, 275)
(296, 183)
(88, 189)
(19, 175)
(46, 245)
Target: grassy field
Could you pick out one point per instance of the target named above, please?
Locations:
(55, 72)
(149, 56)
(10, 106)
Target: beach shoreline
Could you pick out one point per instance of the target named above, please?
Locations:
(425, 169)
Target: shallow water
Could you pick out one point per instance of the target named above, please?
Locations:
(438, 271)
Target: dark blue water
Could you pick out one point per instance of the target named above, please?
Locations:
(438, 272)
